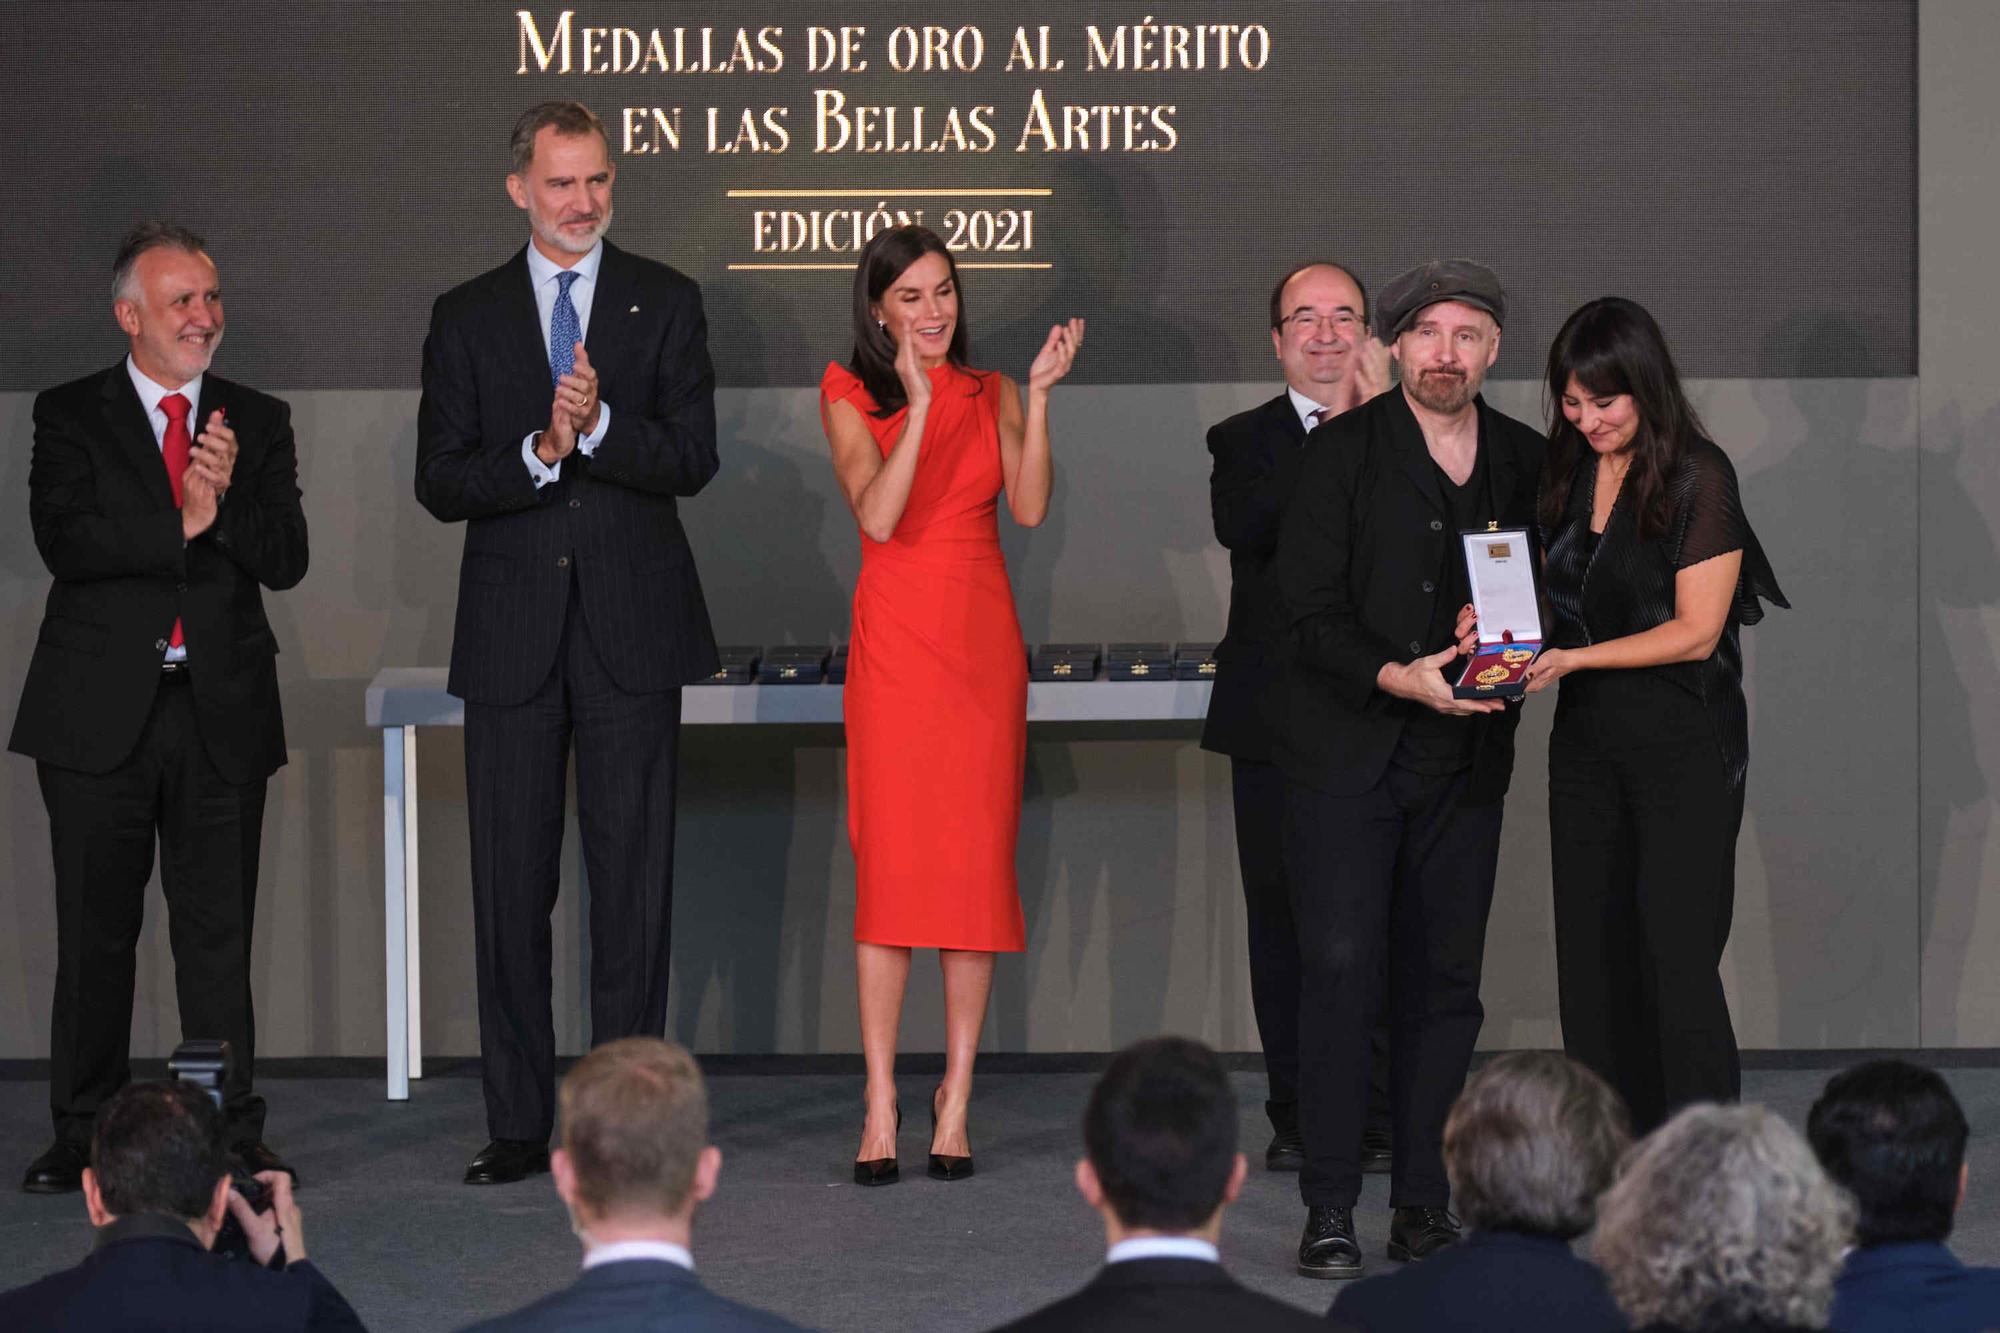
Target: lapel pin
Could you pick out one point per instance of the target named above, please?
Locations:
(633, 311)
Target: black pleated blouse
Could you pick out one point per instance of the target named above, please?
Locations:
(1608, 587)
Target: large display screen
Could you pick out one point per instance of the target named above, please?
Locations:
(1746, 170)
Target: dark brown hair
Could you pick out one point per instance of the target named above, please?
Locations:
(157, 1148)
(1612, 346)
(883, 260)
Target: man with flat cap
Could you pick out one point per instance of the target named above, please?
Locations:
(1393, 787)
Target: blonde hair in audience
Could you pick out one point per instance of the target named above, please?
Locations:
(634, 1123)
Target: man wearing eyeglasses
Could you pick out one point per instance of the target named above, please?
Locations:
(1319, 331)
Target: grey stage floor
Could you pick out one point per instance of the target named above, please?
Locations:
(412, 1248)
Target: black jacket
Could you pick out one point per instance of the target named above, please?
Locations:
(1165, 1296)
(1359, 567)
(639, 1296)
(1256, 467)
(1494, 1281)
(149, 1272)
(610, 522)
(105, 523)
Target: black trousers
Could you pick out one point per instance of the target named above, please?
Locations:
(1258, 790)
(1398, 881)
(102, 827)
(1642, 829)
(516, 764)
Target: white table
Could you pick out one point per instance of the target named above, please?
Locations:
(401, 699)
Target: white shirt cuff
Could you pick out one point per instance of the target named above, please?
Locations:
(540, 471)
(588, 444)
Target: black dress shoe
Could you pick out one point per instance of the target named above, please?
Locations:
(1417, 1232)
(945, 1166)
(880, 1170)
(57, 1171)
(1287, 1151)
(1376, 1157)
(504, 1161)
(1328, 1248)
(257, 1158)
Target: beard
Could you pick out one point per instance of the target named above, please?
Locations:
(1444, 392)
(567, 242)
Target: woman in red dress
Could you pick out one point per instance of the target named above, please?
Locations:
(937, 682)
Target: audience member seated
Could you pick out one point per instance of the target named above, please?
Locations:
(1530, 1144)
(157, 1190)
(634, 1162)
(1893, 1135)
(1723, 1222)
(1159, 1166)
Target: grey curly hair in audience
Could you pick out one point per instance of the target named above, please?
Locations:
(1723, 1215)
(1530, 1144)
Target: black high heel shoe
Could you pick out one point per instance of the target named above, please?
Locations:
(945, 1166)
(881, 1170)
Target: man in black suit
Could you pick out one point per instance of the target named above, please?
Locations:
(162, 498)
(1160, 1164)
(158, 1191)
(634, 1165)
(1319, 330)
(1393, 787)
(568, 400)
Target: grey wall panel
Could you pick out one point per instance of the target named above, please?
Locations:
(1128, 867)
(1958, 638)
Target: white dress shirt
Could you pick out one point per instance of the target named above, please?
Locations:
(1301, 404)
(1162, 1247)
(663, 1251)
(543, 272)
(150, 394)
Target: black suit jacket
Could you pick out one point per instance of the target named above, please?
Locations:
(1256, 468)
(639, 1295)
(611, 515)
(1493, 1281)
(1165, 1296)
(104, 521)
(1359, 557)
(150, 1273)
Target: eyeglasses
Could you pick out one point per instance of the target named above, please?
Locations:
(1340, 321)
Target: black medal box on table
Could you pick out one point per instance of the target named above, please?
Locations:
(793, 664)
(1500, 568)
(1063, 661)
(739, 666)
(836, 666)
(1194, 661)
(1139, 661)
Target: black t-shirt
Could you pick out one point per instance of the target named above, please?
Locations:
(1432, 742)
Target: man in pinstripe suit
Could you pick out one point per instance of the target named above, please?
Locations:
(568, 400)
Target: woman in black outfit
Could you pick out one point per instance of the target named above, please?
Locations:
(1650, 570)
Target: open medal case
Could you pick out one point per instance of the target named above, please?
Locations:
(1500, 568)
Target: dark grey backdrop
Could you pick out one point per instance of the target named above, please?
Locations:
(1731, 164)
(1865, 865)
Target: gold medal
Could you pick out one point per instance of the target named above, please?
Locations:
(1516, 656)
(1493, 675)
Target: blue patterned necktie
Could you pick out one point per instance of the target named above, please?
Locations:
(565, 331)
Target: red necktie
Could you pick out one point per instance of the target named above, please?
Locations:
(174, 449)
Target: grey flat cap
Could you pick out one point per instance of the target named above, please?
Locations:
(1427, 284)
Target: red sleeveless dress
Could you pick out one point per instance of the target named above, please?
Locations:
(936, 699)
